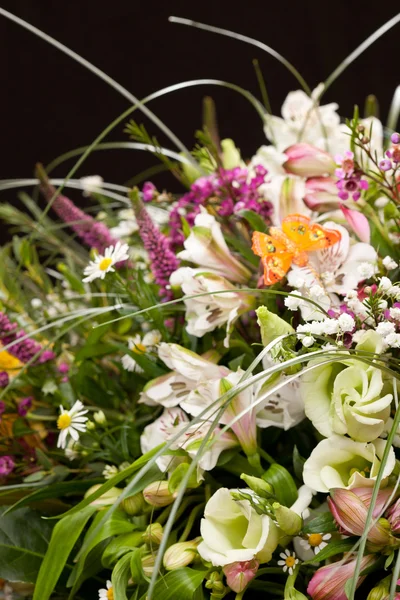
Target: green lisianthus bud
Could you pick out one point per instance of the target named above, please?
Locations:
(380, 591)
(105, 499)
(157, 494)
(153, 534)
(258, 485)
(287, 520)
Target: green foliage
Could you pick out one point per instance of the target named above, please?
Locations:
(181, 584)
(283, 483)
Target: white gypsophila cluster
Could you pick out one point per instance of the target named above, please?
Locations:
(343, 324)
(389, 263)
(366, 270)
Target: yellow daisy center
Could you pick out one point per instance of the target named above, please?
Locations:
(8, 362)
(290, 561)
(139, 348)
(105, 263)
(64, 421)
(315, 539)
(110, 594)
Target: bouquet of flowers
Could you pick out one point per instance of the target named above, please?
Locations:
(199, 390)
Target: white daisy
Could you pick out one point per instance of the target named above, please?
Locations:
(101, 265)
(71, 422)
(140, 345)
(106, 593)
(315, 541)
(289, 561)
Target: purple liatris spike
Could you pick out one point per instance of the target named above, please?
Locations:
(23, 349)
(162, 259)
(92, 233)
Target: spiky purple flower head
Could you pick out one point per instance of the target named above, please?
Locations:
(92, 233)
(163, 261)
(23, 348)
(7, 465)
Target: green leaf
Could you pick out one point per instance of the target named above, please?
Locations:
(181, 583)
(120, 577)
(256, 222)
(24, 537)
(92, 567)
(116, 524)
(298, 463)
(64, 537)
(324, 523)
(120, 546)
(333, 548)
(93, 350)
(284, 486)
(178, 475)
(137, 573)
(243, 249)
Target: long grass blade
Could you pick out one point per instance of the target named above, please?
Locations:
(247, 40)
(394, 111)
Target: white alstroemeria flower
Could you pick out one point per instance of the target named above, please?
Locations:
(71, 423)
(101, 265)
(206, 247)
(140, 345)
(269, 158)
(160, 431)
(283, 409)
(188, 371)
(286, 194)
(192, 438)
(335, 268)
(339, 462)
(107, 592)
(208, 394)
(233, 531)
(91, 184)
(303, 117)
(206, 313)
(347, 397)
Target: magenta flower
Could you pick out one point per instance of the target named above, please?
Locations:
(23, 349)
(7, 465)
(148, 191)
(2, 408)
(163, 261)
(24, 405)
(92, 233)
(4, 379)
(328, 582)
(63, 368)
(308, 161)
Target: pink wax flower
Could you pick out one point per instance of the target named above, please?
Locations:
(7, 465)
(149, 190)
(321, 194)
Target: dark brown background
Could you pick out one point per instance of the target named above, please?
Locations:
(50, 104)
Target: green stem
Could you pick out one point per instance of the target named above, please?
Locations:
(266, 456)
(190, 522)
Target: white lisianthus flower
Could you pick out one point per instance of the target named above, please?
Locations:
(103, 264)
(139, 345)
(339, 462)
(188, 371)
(71, 423)
(206, 247)
(159, 431)
(206, 313)
(233, 531)
(91, 184)
(347, 397)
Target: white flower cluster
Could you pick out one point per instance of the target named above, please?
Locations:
(343, 324)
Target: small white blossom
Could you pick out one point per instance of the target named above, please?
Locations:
(106, 593)
(109, 471)
(36, 303)
(90, 184)
(366, 270)
(100, 417)
(294, 301)
(316, 291)
(346, 322)
(381, 202)
(71, 422)
(308, 341)
(385, 328)
(395, 313)
(330, 326)
(289, 561)
(393, 340)
(389, 263)
(71, 451)
(101, 265)
(385, 284)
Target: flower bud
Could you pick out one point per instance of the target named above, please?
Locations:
(153, 534)
(181, 554)
(381, 591)
(321, 194)
(90, 426)
(134, 505)
(216, 585)
(100, 418)
(157, 494)
(106, 499)
(287, 520)
(328, 583)
(148, 562)
(239, 574)
(259, 486)
(350, 512)
(307, 161)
